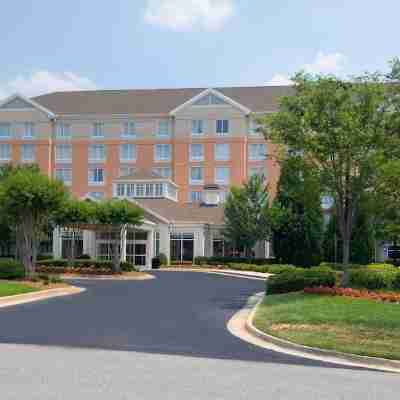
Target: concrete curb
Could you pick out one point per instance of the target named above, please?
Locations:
(331, 356)
(108, 277)
(224, 272)
(40, 295)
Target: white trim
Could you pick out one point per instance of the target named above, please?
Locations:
(216, 93)
(33, 103)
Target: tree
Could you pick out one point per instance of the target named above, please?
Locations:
(340, 127)
(297, 215)
(29, 200)
(115, 216)
(246, 214)
(72, 215)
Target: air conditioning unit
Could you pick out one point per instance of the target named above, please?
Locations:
(211, 195)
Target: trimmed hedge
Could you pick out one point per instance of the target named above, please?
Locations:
(230, 260)
(10, 269)
(340, 266)
(299, 279)
(396, 282)
(373, 280)
(58, 266)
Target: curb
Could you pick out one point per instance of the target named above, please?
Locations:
(332, 356)
(231, 273)
(40, 295)
(108, 278)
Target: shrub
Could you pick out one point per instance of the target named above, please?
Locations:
(54, 263)
(396, 282)
(11, 269)
(299, 279)
(281, 268)
(163, 259)
(340, 266)
(200, 260)
(127, 267)
(234, 260)
(41, 257)
(372, 279)
(83, 257)
(382, 267)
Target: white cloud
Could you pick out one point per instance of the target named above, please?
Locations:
(280, 80)
(324, 63)
(41, 82)
(185, 15)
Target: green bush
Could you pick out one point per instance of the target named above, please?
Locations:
(382, 267)
(234, 260)
(53, 263)
(84, 257)
(281, 268)
(299, 279)
(200, 260)
(163, 259)
(340, 266)
(127, 267)
(396, 281)
(372, 280)
(11, 269)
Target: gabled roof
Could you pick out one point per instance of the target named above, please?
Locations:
(9, 102)
(143, 175)
(174, 212)
(156, 101)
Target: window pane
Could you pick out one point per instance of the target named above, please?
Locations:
(28, 152)
(5, 152)
(129, 129)
(163, 152)
(127, 152)
(222, 174)
(197, 127)
(196, 174)
(63, 152)
(5, 130)
(222, 151)
(197, 152)
(97, 152)
(63, 130)
(98, 129)
(28, 130)
(163, 128)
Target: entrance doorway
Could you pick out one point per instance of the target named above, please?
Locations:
(182, 248)
(136, 247)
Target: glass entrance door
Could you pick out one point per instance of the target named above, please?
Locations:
(182, 248)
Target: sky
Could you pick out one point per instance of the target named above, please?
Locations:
(49, 45)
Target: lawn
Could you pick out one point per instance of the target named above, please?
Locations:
(343, 324)
(11, 288)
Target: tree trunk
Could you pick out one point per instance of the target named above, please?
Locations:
(346, 261)
(116, 260)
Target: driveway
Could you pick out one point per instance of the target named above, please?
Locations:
(177, 318)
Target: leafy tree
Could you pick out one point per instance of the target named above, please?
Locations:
(341, 128)
(246, 214)
(115, 216)
(30, 200)
(72, 215)
(298, 220)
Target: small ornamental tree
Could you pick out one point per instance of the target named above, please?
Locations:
(72, 215)
(246, 214)
(341, 129)
(30, 200)
(297, 215)
(115, 216)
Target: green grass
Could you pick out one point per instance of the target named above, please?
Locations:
(343, 324)
(12, 288)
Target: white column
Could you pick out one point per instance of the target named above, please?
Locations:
(89, 243)
(165, 241)
(150, 248)
(57, 243)
(123, 245)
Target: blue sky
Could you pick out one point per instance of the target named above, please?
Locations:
(74, 44)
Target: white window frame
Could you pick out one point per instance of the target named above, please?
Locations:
(163, 128)
(66, 182)
(60, 155)
(32, 157)
(194, 157)
(161, 171)
(8, 152)
(131, 170)
(63, 130)
(198, 127)
(129, 130)
(195, 196)
(92, 182)
(92, 154)
(224, 181)
(7, 126)
(225, 157)
(98, 130)
(97, 195)
(132, 152)
(259, 155)
(196, 181)
(29, 130)
(225, 124)
(160, 157)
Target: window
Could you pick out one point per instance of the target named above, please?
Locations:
(140, 190)
(222, 196)
(253, 128)
(5, 130)
(64, 175)
(149, 190)
(158, 190)
(29, 130)
(222, 175)
(195, 197)
(129, 129)
(98, 130)
(256, 171)
(257, 151)
(28, 152)
(163, 128)
(222, 151)
(162, 152)
(126, 170)
(222, 127)
(196, 152)
(97, 195)
(165, 172)
(196, 175)
(5, 152)
(198, 127)
(127, 152)
(97, 152)
(63, 152)
(121, 189)
(130, 189)
(208, 100)
(96, 176)
(63, 131)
